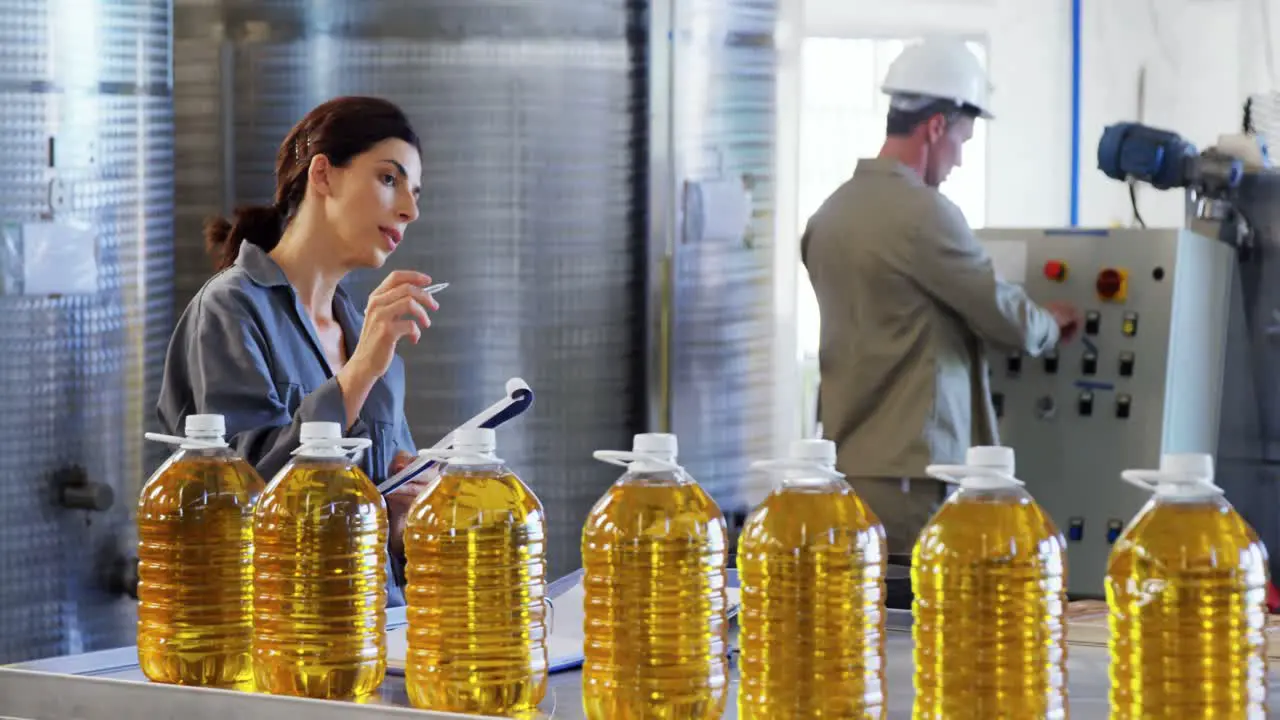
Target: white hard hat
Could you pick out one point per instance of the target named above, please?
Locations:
(942, 69)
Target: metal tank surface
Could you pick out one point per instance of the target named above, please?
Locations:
(86, 133)
(1248, 467)
(532, 129)
(723, 105)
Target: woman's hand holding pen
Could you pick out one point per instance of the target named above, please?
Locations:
(397, 309)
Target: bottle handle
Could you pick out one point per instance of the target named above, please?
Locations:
(190, 442)
(446, 454)
(624, 458)
(353, 446)
(955, 474)
(799, 466)
(1149, 480)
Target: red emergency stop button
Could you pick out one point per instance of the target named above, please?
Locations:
(1111, 284)
(1055, 270)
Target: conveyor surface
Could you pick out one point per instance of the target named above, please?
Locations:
(109, 686)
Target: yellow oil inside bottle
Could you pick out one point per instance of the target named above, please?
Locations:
(320, 594)
(811, 561)
(653, 556)
(475, 546)
(195, 570)
(1186, 586)
(989, 577)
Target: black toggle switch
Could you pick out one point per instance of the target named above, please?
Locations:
(1089, 364)
(1126, 364)
(1123, 405)
(1051, 362)
(1092, 319)
(1015, 363)
(1086, 403)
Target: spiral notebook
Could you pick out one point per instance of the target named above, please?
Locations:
(564, 646)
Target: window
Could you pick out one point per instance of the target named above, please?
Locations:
(842, 117)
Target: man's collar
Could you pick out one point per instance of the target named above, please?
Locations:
(887, 166)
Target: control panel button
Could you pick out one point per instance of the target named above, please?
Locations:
(1129, 324)
(1086, 403)
(1055, 270)
(1114, 528)
(1015, 363)
(1051, 362)
(1112, 284)
(1124, 405)
(1126, 364)
(1075, 529)
(997, 402)
(1089, 363)
(1092, 319)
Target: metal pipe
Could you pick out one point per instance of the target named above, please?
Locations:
(1075, 111)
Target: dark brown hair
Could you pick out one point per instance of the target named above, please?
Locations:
(901, 123)
(339, 129)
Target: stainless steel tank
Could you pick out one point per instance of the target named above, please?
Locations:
(532, 206)
(723, 103)
(86, 137)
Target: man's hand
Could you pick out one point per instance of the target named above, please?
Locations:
(1068, 318)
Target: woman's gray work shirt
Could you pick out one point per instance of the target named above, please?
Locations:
(245, 349)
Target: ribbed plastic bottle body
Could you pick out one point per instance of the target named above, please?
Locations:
(1186, 587)
(653, 556)
(195, 570)
(475, 544)
(811, 561)
(989, 577)
(320, 539)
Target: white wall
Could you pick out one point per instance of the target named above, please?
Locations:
(1190, 52)
(1201, 59)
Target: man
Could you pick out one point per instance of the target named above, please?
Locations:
(909, 299)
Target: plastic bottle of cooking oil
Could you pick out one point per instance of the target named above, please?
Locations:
(1186, 587)
(811, 559)
(320, 538)
(195, 561)
(989, 576)
(475, 546)
(653, 557)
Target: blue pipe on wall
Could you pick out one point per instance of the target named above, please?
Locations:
(1075, 112)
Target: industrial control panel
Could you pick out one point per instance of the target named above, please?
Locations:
(1143, 377)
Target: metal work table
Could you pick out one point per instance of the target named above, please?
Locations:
(108, 685)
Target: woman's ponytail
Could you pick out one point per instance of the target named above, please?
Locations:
(258, 224)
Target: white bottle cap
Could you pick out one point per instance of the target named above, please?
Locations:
(995, 457)
(205, 426)
(313, 432)
(1187, 467)
(820, 452)
(662, 445)
(475, 440)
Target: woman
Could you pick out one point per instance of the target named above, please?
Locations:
(272, 341)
